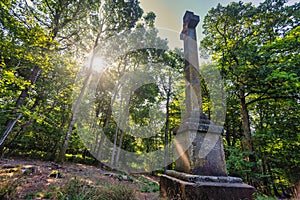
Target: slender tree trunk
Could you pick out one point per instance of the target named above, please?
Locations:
(33, 78)
(245, 120)
(78, 102)
(247, 134)
(74, 115)
(16, 136)
(227, 136)
(98, 137)
(23, 126)
(166, 156)
(117, 129)
(166, 153)
(115, 147)
(267, 189)
(20, 101)
(119, 148)
(122, 121)
(119, 117)
(297, 190)
(107, 120)
(100, 147)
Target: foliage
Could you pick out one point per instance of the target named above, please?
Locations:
(148, 186)
(265, 198)
(257, 52)
(9, 188)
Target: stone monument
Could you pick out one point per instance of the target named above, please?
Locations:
(200, 170)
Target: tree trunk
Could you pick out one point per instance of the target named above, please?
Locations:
(78, 102)
(122, 132)
(297, 190)
(247, 134)
(20, 101)
(74, 115)
(33, 78)
(99, 152)
(119, 148)
(266, 189)
(228, 135)
(166, 156)
(108, 117)
(117, 130)
(166, 153)
(245, 119)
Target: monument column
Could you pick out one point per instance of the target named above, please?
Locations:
(191, 70)
(200, 170)
(199, 144)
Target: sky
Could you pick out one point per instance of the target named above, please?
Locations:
(169, 15)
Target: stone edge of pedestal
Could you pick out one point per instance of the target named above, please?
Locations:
(172, 187)
(199, 178)
(205, 128)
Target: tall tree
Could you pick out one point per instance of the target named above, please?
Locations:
(237, 36)
(39, 28)
(113, 17)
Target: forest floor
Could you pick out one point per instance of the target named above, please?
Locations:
(33, 179)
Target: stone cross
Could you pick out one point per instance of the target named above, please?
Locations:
(199, 144)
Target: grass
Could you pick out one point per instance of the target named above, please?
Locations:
(77, 189)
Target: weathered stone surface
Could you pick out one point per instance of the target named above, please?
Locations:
(198, 178)
(204, 128)
(195, 116)
(193, 98)
(204, 154)
(199, 143)
(173, 188)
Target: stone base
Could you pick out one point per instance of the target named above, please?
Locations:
(174, 188)
(199, 146)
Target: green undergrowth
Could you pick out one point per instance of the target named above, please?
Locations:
(265, 198)
(148, 186)
(77, 189)
(8, 188)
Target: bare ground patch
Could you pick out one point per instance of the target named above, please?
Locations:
(33, 179)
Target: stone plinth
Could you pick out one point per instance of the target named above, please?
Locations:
(199, 147)
(175, 185)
